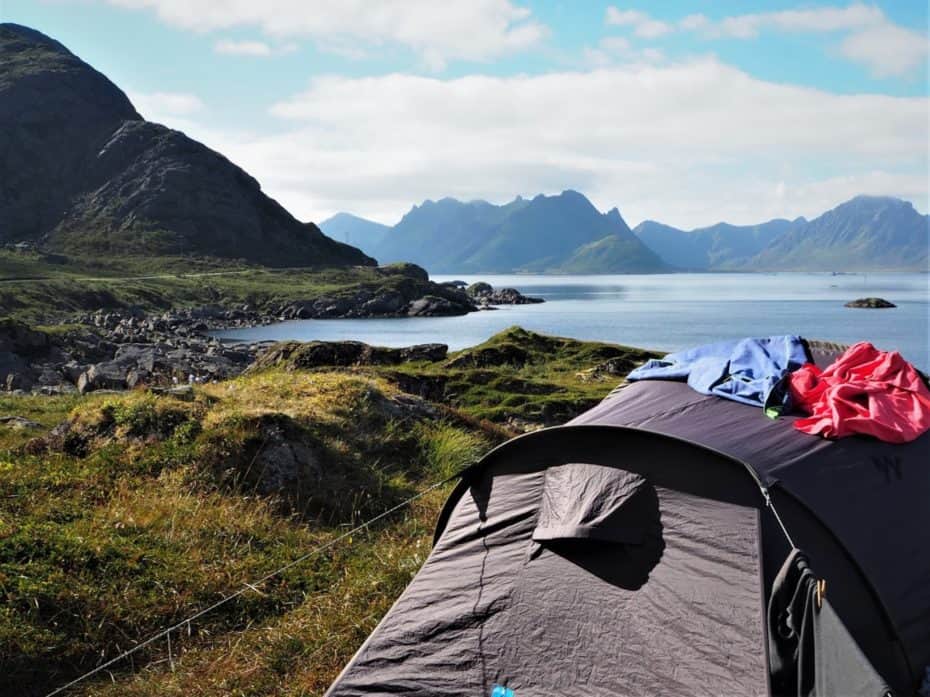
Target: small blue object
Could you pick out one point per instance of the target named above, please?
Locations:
(501, 691)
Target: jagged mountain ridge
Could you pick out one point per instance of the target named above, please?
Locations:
(865, 233)
(542, 234)
(450, 236)
(82, 172)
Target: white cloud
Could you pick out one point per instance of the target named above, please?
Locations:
(242, 48)
(694, 22)
(643, 25)
(871, 39)
(257, 49)
(165, 106)
(613, 50)
(689, 144)
(886, 49)
(439, 32)
(822, 19)
(616, 44)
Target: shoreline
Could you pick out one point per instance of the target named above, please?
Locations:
(123, 349)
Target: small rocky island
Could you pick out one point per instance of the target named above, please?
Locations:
(870, 303)
(486, 297)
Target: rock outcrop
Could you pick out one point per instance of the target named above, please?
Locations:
(117, 352)
(485, 295)
(295, 355)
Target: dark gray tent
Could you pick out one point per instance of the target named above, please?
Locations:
(646, 548)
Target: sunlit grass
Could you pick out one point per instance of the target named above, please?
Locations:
(150, 507)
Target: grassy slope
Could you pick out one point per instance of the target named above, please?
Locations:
(150, 510)
(81, 285)
(528, 379)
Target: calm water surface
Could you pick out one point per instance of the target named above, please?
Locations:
(662, 312)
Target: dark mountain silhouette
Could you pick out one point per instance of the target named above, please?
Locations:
(546, 233)
(82, 172)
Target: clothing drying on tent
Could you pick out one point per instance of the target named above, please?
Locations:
(668, 543)
(747, 370)
(865, 390)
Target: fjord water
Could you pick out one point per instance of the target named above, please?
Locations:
(665, 312)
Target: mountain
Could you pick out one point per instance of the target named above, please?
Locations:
(865, 233)
(82, 172)
(361, 233)
(720, 246)
(443, 234)
(539, 234)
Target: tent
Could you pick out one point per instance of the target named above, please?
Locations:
(669, 543)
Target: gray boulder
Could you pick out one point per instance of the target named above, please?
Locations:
(434, 306)
(387, 303)
(16, 337)
(18, 423)
(479, 288)
(15, 373)
(142, 356)
(424, 352)
(103, 376)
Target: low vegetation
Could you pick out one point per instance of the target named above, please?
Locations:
(523, 379)
(39, 288)
(121, 514)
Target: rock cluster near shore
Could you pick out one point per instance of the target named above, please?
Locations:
(409, 300)
(116, 351)
(120, 350)
(485, 296)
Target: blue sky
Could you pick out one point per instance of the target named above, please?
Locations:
(685, 112)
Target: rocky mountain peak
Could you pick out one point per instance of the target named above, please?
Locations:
(82, 172)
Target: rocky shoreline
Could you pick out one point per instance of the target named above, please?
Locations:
(405, 300)
(118, 350)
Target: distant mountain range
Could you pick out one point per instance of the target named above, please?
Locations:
(82, 172)
(865, 233)
(718, 247)
(562, 233)
(565, 233)
(358, 232)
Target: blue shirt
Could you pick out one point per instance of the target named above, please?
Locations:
(746, 370)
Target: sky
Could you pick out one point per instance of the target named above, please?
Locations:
(685, 112)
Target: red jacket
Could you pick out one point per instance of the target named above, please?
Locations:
(863, 391)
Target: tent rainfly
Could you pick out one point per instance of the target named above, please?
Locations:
(669, 543)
